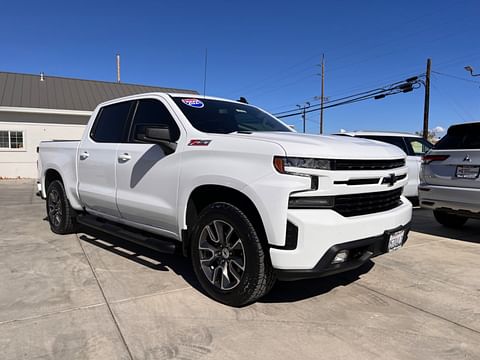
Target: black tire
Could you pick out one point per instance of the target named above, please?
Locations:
(61, 215)
(449, 220)
(240, 286)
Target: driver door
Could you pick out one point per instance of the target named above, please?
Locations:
(148, 173)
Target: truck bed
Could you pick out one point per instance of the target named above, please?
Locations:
(59, 155)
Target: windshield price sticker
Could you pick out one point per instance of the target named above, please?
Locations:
(195, 103)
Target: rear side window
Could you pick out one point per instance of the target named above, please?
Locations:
(466, 136)
(393, 140)
(152, 112)
(111, 123)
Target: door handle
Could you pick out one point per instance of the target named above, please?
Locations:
(124, 157)
(84, 155)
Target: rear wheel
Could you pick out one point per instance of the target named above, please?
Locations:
(449, 220)
(228, 257)
(61, 215)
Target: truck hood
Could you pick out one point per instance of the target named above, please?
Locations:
(332, 146)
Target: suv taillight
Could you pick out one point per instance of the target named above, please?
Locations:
(427, 159)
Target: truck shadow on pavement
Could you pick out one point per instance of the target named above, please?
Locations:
(424, 222)
(147, 257)
(291, 291)
(281, 292)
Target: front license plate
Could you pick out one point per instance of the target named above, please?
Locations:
(467, 172)
(395, 240)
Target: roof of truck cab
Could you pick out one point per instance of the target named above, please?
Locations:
(54, 92)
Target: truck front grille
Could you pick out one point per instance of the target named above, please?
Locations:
(340, 164)
(367, 203)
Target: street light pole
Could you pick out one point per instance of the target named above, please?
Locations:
(470, 70)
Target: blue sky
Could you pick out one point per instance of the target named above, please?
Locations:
(266, 51)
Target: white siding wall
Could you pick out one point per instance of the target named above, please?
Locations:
(23, 162)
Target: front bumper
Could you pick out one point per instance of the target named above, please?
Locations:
(320, 230)
(361, 250)
(450, 198)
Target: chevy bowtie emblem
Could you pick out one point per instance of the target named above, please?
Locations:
(390, 180)
(467, 158)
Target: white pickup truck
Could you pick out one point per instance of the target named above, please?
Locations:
(246, 197)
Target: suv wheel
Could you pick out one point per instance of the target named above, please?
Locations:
(228, 257)
(449, 220)
(61, 215)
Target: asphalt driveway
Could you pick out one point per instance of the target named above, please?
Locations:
(91, 296)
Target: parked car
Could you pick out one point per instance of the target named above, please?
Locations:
(246, 197)
(413, 145)
(450, 183)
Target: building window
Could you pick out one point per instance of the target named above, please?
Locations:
(10, 139)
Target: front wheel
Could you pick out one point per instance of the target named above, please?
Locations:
(449, 220)
(61, 215)
(228, 257)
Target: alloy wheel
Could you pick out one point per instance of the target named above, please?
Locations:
(55, 212)
(222, 255)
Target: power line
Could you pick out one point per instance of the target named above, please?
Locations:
(455, 77)
(348, 90)
(377, 90)
(456, 106)
(379, 93)
(457, 60)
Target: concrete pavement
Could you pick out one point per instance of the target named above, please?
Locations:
(91, 296)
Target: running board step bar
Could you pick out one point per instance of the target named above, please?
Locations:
(157, 243)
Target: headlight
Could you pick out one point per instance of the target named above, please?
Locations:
(280, 163)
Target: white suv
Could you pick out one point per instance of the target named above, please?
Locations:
(413, 145)
(450, 183)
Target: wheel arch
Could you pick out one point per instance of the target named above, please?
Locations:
(53, 173)
(206, 194)
(50, 176)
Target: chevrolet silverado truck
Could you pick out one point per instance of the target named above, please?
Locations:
(232, 187)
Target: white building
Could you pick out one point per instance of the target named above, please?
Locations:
(35, 108)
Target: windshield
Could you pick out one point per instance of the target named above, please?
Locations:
(223, 117)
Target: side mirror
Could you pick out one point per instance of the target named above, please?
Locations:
(158, 134)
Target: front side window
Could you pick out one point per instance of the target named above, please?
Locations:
(418, 146)
(11, 139)
(152, 112)
(464, 136)
(223, 117)
(110, 124)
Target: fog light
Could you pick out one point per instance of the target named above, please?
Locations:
(341, 257)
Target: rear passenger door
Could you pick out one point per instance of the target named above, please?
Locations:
(148, 173)
(97, 158)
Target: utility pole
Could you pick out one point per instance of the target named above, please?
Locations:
(322, 98)
(304, 114)
(426, 107)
